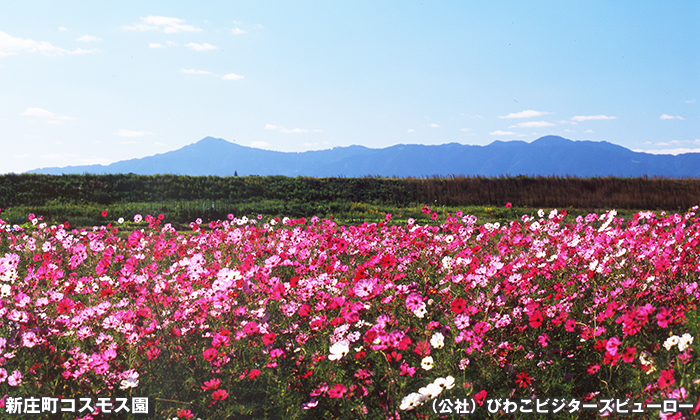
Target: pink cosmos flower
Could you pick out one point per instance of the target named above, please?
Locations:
(414, 302)
(664, 317)
(481, 327)
(364, 288)
(308, 405)
(570, 325)
(29, 339)
(319, 390)
(612, 345)
(337, 391)
(15, 378)
(407, 370)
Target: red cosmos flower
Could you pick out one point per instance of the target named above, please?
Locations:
(219, 394)
(64, 305)
(666, 379)
(480, 397)
(422, 348)
(213, 384)
(337, 391)
(593, 369)
(434, 216)
(269, 338)
(104, 213)
(153, 353)
(523, 380)
(508, 205)
(210, 354)
(185, 414)
(425, 209)
(458, 305)
(628, 355)
(254, 374)
(536, 319)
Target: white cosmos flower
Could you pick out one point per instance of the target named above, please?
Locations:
(437, 340)
(129, 383)
(412, 401)
(427, 363)
(685, 341)
(671, 341)
(120, 220)
(338, 350)
(420, 312)
(431, 391)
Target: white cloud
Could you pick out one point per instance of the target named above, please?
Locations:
(592, 117)
(169, 25)
(238, 31)
(195, 71)
(62, 28)
(22, 156)
(47, 116)
(157, 45)
(410, 130)
(679, 151)
(200, 47)
(671, 117)
(88, 38)
(433, 125)
(588, 131)
(293, 130)
(691, 101)
(503, 133)
(232, 76)
(525, 114)
(131, 133)
(10, 45)
(532, 124)
(285, 130)
(259, 144)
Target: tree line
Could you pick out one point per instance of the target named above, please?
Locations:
(524, 191)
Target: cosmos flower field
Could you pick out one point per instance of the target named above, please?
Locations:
(270, 318)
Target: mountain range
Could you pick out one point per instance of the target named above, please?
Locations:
(549, 155)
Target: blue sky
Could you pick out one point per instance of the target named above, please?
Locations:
(98, 82)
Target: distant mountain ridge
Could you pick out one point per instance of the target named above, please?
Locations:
(549, 155)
